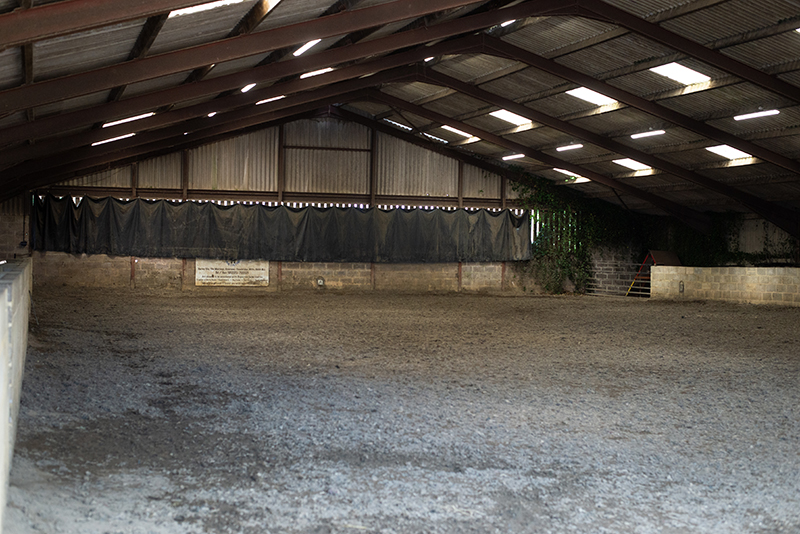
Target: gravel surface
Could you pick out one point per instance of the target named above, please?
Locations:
(338, 413)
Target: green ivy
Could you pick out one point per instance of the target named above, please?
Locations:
(574, 226)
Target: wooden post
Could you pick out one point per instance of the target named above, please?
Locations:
(134, 179)
(185, 175)
(281, 164)
(372, 168)
(460, 184)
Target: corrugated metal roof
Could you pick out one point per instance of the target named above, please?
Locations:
(79, 52)
(548, 34)
(293, 11)
(198, 28)
(10, 68)
(766, 52)
(456, 104)
(468, 67)
(72, 104)
(731, 18)
(614, 54)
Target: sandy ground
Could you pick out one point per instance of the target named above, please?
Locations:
(339, 413)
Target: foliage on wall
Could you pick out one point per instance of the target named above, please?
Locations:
(573, 226)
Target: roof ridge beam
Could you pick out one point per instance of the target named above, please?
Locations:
(697, 220)
(694, 49)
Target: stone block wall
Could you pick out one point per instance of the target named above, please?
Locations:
(302, 275)
(483, 277)
(175, 274)
(757, 285)
(81, 270)
(416, 277)
(13, 231)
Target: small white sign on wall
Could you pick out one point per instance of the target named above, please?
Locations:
(231, 273)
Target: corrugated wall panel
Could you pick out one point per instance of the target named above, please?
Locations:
(479, 183)
(327, 133)
(113, 178)
(163, 172)
(327, 171)
(245, 163)
(405, 169)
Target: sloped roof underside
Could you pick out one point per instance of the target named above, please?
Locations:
(71, 66)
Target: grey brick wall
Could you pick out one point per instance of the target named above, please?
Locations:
(758, 285)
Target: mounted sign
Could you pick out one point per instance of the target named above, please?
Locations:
(231, 273)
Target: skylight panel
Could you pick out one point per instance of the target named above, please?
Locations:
(632, 164)
(513, 118)
(513, 156)
(104, 141)
(129, 119)
(728, 152)
(584, 93)
(650, 133)
(680, 74)
(305, 48)
(456, 131)
(757, 114)
(439, 139)
(577, 178)
(203, 7)
(569, 147)
(248, 87)
(272, 99)
(399, 125)
(316, 72)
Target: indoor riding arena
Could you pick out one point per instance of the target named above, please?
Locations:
(399, 266)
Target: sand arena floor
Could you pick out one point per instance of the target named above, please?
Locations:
(344, 413)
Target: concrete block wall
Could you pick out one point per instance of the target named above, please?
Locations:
(416, 277)
(304, 275)
(13, 231)
(483, 276)
(68, 270)
(613, 271)
(757, 285)
(611, 277)
(81, 270)
(15, 303)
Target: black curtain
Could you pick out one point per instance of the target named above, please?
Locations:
(205, 230)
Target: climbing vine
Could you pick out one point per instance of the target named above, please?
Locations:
(570, 226)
